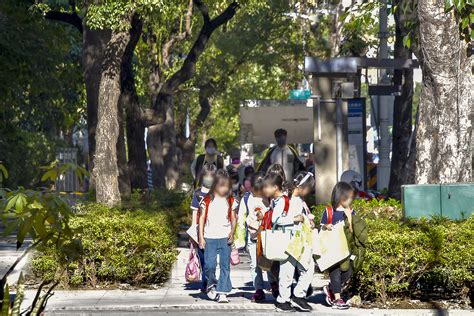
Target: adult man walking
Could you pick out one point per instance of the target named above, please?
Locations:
(282, 154)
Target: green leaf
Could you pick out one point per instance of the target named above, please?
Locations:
(20, 294)
(448, 4)
(25, 228)
(11, 202)
(407, 41)
(3, 172)
(50, 174)
(6, 300)
(465, 23)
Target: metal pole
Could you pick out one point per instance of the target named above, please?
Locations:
(339, 142)
(383, 169)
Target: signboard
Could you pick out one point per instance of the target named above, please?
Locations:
(301, 94)
(356, 137)
(260, 118)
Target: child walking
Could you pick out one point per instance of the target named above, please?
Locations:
(341, 202)
(205, 180)
(303, 185)
(253, 209)
(282, 218)
(216, 230)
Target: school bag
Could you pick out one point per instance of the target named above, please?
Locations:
(275, 241)
(207, 202)
(193, 267)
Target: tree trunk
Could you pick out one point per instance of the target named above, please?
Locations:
(124, 179)
(443, 144)
(137, 168)
(155, 153)
(94, 43)
(105, 164)
(402, 169)
(170, 157)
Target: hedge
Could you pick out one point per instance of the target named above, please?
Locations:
(120, 246)
(413, 258)
(405, 258)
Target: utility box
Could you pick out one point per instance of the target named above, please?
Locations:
(454, 201)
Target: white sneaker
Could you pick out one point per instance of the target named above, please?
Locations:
(222, 298)
(211, 293)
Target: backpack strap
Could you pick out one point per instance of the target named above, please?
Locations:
(207, 201)
(329, 212)
(230, 200)
(246, 201)
(287, 204)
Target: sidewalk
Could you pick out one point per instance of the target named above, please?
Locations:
(178, 298)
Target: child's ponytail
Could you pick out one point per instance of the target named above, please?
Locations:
(303, 179)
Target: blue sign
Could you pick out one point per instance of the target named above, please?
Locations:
(300, 94)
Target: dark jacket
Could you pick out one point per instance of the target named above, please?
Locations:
(357, 242)
(200, 163)
(266, 162)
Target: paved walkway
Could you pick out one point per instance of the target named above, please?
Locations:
(177, 298)
(8, 256)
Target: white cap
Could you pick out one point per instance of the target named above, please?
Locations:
(353, 178)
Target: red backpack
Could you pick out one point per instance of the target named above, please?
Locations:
(207, 201)
(267, 218)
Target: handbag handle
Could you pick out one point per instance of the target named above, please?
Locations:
(275, 225)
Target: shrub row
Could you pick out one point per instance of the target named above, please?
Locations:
(404, 259)
(120, 246)
(413, 258)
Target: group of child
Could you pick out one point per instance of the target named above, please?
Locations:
(216, 209)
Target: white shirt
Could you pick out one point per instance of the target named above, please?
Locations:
(297, 207)
(254, 204)
(284, 157)
(217, 225)
(279, 216)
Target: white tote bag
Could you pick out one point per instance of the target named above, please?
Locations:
(333, 245)
(316, 243)
(275, 243)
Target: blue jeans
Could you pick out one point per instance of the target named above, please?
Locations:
(255, 270)
(214, 248)
(203, 266)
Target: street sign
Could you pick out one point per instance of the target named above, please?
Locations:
(300, 94)
(356, 137)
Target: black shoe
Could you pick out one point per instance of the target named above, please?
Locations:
(301, 304)
(284, 307)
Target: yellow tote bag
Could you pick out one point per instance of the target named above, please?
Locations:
(333, 246)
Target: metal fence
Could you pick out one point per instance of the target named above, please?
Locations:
(68, 182)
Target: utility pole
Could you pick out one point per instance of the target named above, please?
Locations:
(384, 103)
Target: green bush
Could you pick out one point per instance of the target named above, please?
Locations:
(413, 258)
(417, 259)
(120, 246)
(176, 204)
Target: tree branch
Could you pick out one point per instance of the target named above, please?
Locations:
(70, 18)
(204, 10)
(177, 37)
(188, 68)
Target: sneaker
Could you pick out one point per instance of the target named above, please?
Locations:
(329, 295)
(340, 304)
(275, 290)
(284, 307)
(222, 298)
(211, 293)
(259, 296)
(301, 304)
